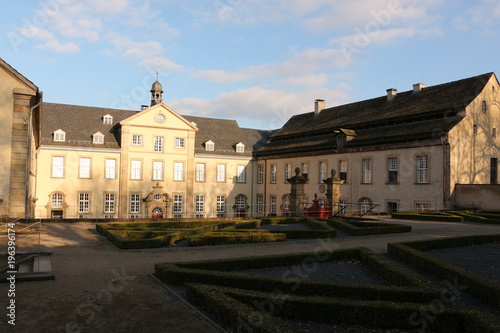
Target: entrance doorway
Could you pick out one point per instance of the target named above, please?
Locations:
(157, 213)
(56, 214)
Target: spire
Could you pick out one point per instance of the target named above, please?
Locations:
(156, 92)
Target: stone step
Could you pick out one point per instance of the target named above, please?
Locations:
(25, 267)
(42, 264)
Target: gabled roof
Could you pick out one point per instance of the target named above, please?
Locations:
(409, 116)
(17, 75)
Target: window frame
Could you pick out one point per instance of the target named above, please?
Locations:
(158, 173)
(366, 173)
(179, 171)
(421, 172)
(200, 172)
(241, 173)
(136, 172)
(108, 169)
(180, 143)
(392, 170)
(60, 172)
(221, 173)
(158, 144)
(137, 140)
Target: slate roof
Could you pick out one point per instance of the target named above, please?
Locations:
(79, 123)
(408, 117)
(224, 133)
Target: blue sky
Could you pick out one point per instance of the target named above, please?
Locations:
(256, 61)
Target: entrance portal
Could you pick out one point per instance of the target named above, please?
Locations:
(157, 213)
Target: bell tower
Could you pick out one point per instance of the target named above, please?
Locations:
(156, 92)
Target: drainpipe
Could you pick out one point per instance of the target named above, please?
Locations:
(27, 202)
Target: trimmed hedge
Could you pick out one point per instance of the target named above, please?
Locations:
(153, 235)
(479, 217)
(237, 315)
(234, 306)
(435, 216)
(225, 238)
(407, 284)
(369, 228)
(414, 253)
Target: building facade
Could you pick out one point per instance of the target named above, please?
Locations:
(400, 152)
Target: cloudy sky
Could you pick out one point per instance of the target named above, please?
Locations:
(256, 61)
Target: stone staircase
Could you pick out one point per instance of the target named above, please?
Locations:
(35, 268)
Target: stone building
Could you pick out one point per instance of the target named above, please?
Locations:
(399, 152)
(402, 151)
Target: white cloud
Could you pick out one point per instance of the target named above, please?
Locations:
(59, 47)
(306, 81)
(163, 64)
(485, 14)
(276, 106)
(221, 76)
(135, 50)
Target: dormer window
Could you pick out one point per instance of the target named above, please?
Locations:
(59, 136)
(107, 120)
(209, 145)
(98, 138)
(240, 147)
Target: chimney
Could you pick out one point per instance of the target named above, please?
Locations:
(391, 94)
(144, 107)
(417, 87)
(319, 105)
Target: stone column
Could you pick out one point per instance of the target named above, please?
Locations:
(297, 193)
(333, 191)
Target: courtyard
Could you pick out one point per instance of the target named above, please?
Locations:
(99, 288)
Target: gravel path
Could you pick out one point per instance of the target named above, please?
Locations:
(481, 259)
(350, 271)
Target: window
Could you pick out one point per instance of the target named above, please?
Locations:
(84, 167)
(200, 172)
(286, 202)
(157, 196)
(367, 171)
(109, 202)
(392, 170)
(137, 140)
(484, 107)
(110, 169)
(221, 204)
(107, 120)
(157, 170)
(305, 169)
(241, 202)
(365, 205)
(209, 145)
(241, 174)
(178, 203)
(272, 201)
(57, 166)
(179, 142)
(136, 170)
(474, 129)
(56, 200)
(98, 138)
(494, 170)
(200, 203)
(342, 207)
(260, 174)
(322, 171)
(343, 170)
(422, 207)
(260, 203)
(273, 174)
(179, 171)
(158, 144)
(240, 148)
(221, 172)
(135, 203)
(59, 135)
(493, 133)
(392, 207)
(422, 171)
(288, 172)
(83, 202)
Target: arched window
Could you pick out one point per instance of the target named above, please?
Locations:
(365, 205)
